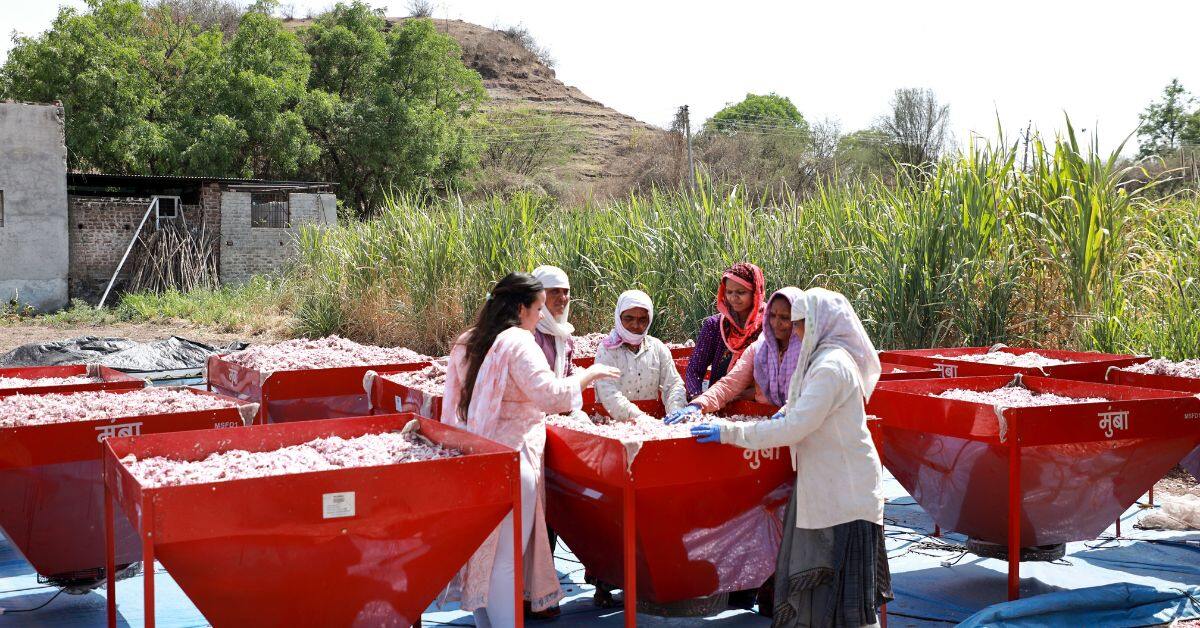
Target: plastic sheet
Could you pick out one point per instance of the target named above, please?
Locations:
(174, 353)
(109, 379)
(1086, 366)
(699, 519)
(1121, 604)
(306, 395)
(51, 486)
(367, 546)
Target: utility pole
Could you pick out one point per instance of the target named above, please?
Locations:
(687, 129)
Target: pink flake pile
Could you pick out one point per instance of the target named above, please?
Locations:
(586, 346)
(1160, 366)
(644, 428)
(329, 352)
(322, 454)
(1032, 359)
(20, 410)
(21, 382)
(1014, 397)
(430, 380)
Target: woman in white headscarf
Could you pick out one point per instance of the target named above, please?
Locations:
(647, 368)
(832, 566)
(554, 331)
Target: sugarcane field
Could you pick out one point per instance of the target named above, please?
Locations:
(410, 313)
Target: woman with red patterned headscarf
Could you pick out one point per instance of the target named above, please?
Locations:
(724, 336)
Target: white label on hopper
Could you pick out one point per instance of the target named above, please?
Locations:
(334, 505)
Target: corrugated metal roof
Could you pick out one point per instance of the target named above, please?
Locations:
(97, 178)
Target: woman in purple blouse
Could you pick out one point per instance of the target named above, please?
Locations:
(725, 335)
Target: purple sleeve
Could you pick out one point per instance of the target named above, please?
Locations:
(707, 343)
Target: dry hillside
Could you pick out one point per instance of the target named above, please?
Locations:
(614, 146)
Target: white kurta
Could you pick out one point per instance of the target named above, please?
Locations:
(646, 374)
(838, 475)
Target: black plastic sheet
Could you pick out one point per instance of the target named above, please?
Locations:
(172, 354)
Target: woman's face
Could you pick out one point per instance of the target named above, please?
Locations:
(635, 320)
(530, 314)
(739, 297)
(779, 317)
(557, 300)
(798, 329)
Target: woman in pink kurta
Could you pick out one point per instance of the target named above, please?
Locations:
(502, 388)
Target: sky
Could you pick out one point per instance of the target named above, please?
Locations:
(1025, 62)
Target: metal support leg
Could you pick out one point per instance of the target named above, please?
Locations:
(629, 530)
(518, 551)
(110, 554)
(148, 562)
(1014, 516)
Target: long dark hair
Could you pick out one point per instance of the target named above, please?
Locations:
(500, 311)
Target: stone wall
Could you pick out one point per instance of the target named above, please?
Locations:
(101, 228)
(33, 178)
(247, 250)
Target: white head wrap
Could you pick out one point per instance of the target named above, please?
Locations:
(830, 321)
(627, 301)
(556, 327)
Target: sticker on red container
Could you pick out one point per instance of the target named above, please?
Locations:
(336, 505)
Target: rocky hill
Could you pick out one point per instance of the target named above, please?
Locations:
(613, 143)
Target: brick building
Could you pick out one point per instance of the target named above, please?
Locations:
(256, 221)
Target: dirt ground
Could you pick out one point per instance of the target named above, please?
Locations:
(13, 336)
(1177, 482)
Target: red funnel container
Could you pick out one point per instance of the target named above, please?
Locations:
(696, 519)
(109, 379)
(1089, 367)
(302, 395)
(273, 551)
(1190, 385)
(897, 372)
(1068, 470)
(388, 397)
(52, 489)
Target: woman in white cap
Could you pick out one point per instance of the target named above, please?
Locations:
(554, 331)
(832, 567)
(647, 368)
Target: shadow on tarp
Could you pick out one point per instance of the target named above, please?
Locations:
(174, 353)
(66, 610)
(951, 594)
(1174, 560)
(1121, 604)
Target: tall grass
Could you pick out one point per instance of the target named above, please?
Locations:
(973, 250)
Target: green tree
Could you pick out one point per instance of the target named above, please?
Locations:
(389, 108)
(1164, 123)
(147, 91)
(759, 113)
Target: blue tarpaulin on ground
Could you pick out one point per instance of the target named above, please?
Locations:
(1144, 577)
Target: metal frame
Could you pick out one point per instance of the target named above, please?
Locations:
(158, 209)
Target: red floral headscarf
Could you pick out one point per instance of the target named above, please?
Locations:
(738, 337)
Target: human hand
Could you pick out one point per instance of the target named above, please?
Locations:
(681, 414)
(778, 415)
(597, 372)
(705, 433)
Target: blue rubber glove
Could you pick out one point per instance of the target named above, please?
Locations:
(778, 415)
(706, 433)
(681, 413)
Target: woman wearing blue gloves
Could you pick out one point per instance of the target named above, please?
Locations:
(765, 368)
(832, 565)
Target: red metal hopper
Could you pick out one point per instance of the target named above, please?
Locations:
(692, 519)
(1190, 385)
(301, 395)
(387, 396)
(895, 372)
(1088, 367)
(110, 379)
(1068, 470)
(52, 490)
(368, 546)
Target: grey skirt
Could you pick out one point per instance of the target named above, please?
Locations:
(834, 576)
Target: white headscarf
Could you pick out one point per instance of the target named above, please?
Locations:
(627, 301)
(556, 327)
(830, 321)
